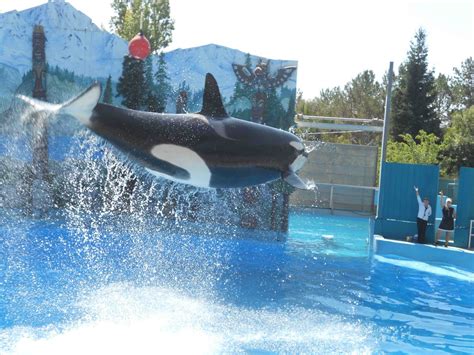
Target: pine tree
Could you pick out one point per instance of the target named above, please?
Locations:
(151, 103)
(240, 102)
(462, 85)
(364, 96)
(414, 96)
(151, 98)
(289, 119)
(148, 65)
(273, 112)
(131, 85)
(107, 98)
(444, 99)
(163, 86)
(182, 97)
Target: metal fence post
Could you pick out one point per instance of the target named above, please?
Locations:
(386, 124)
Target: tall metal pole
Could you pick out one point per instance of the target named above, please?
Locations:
(386, 119)
(386, 125)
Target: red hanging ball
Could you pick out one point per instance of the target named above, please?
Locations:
(139, 47)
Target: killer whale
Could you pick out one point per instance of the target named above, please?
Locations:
(204, 149)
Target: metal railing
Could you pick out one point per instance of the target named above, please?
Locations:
(333, 186)
(339, 123)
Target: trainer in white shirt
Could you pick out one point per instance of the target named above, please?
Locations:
(424, 212)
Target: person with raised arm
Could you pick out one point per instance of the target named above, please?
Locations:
(424, 212)
(447, 223)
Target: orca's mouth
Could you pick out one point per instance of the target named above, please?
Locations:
(299, 161)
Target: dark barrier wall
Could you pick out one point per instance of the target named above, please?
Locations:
(398, 207)
(465, 207)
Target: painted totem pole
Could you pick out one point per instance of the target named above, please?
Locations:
(39, 199)
(261, 80)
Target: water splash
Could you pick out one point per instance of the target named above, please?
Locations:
(123, 319)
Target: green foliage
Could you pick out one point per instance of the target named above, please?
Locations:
(362, 97)
(163, 86)
(151, 99)
(443, 101)
(151, 16)
(423, 150)
(131, 84)
(365, 96)
(151, 102)
(240, 103)
(414, 95)
(107, 98)
(273, 113)
(462, 85)
(289, 119)
(458, 146)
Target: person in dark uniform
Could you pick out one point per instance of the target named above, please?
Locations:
(424, 212)
(447, 223)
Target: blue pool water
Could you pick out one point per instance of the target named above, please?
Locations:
(70, 289)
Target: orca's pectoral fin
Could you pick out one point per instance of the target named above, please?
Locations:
(294, 180)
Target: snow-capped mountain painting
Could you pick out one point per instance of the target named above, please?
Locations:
(74, 43)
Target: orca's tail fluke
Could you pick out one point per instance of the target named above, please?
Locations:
(80, 107)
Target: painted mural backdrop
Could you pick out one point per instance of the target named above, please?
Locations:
(54, 51)
(78, 52)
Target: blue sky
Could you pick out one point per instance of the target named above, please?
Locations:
(332, 40)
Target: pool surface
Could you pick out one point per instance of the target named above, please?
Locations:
(77, 288)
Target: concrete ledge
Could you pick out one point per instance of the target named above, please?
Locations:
(456, 257)
(327, 211)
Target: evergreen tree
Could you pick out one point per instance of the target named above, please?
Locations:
(365, 96)
(131, 85)
(240, 102)
(414, 96)
(462, 85)
(151, 103)
(289, 119)
(273, 113)
(163, 86)
(458, 147)
(443, 102)
(148, 65)
(107, 98)
(151, 98)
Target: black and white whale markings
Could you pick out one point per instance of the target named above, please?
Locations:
(204, 149)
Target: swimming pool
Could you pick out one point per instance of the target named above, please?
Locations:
(114, 289)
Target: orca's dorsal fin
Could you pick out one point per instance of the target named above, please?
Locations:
(212, 102)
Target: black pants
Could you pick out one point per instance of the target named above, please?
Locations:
(421, 224)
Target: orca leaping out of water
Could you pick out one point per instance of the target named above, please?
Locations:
(204, 149)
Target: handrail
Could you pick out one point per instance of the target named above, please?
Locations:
(331, 193)
(348, 119)
(344, 185)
